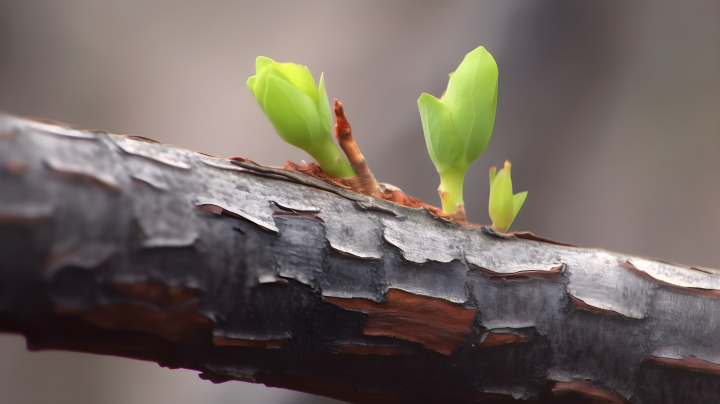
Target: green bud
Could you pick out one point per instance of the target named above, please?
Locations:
(503, 206)
(458, 126)
(299, 111)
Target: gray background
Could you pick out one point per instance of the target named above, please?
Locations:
(609, 111)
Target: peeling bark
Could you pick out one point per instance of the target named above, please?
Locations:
(123, 246)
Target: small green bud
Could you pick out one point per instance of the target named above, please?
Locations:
(503, 206)
(458, 126)
(299, 111)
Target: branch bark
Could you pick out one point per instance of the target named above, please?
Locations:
(123, 246)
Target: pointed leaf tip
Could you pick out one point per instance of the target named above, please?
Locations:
(251, 84)
(518, 201)
(261, 62)
(323, 105)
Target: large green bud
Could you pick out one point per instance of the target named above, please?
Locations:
(458, 126)
(299, 111)
(503, 205)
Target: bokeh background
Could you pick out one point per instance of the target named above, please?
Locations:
(609, 111)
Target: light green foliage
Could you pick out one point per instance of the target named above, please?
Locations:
(503, 206)
(299, 111)
(458, 126)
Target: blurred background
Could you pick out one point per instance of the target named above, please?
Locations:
(608, 110)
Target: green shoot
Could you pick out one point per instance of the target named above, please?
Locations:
(458, 126)
(503, 205)
(299, 111)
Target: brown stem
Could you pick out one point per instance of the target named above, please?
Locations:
(343, 133)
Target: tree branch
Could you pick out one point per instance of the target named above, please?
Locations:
(123, 246)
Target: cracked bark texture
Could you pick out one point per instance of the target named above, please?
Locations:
(123, 246)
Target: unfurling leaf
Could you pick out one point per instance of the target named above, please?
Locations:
(503, 205)
(458, 126)
(299, 111)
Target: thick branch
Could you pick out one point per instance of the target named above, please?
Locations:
(123, 246)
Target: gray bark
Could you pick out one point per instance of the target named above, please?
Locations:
(123, 246)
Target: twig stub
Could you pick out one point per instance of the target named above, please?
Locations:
(343, 133)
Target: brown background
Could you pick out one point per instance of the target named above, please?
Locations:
(609, 111)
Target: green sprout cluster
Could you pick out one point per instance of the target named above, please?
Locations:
(457, 127)
(457, 130)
